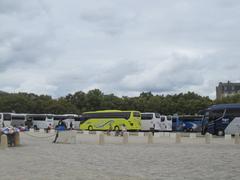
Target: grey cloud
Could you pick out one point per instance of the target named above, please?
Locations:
(123, 47)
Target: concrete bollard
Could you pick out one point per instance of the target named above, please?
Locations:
(98, 132)
(31, 130)
(42, 131)
(228, 137)
(67, 137)
(4, 141)
(237, 139)
(208, 138)
(178, 138)
(86, 132)
(17, 139)
(101, 140)
(161, 134)
(173, 135)
(125, 138)
(156, 134)
(150, 138)
(166, 134)
(193, 135)
(141, 134)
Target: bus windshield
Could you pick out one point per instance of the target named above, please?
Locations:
(146, 116)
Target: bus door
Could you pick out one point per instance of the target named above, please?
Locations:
(213, 123)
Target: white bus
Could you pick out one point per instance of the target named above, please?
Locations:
(40, 121)
(150, 121)
(68, 119)
(5, 119)
(166, 123)
(18, 120)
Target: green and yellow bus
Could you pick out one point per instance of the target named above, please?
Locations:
(115, 119)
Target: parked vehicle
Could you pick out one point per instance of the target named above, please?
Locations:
(149, 121)
(222, 119)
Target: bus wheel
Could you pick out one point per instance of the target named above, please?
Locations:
(90, 128)
(116, 128)
(220, 133)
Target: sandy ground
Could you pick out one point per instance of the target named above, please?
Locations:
(38, 158)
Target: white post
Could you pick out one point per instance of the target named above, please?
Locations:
(208, 138)
(157, 134)
(150, 138)
(166, 134)
(178, 138)
(193, 135)
(98, 132)
(228, 137)
(101, 139)
(141, 134)
(125, 138)
(237, 139)
(85, 132)
(161, 133)
(17, 139)
(4, 141)
(173, 135)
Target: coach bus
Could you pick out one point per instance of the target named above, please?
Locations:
(39, 121)
(150, 120)
(115, 119)
(187, 123)
(222, 119)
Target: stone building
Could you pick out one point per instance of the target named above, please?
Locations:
(227, 89)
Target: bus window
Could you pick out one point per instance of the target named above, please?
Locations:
(174, 119)
(136, 114)
(125, 115)
(162, 119)
(39, 118)
(157, 115)
(169, 118)
(213, 115)
(147, 116)
(7, 117)
(231, 113)
(16, 117)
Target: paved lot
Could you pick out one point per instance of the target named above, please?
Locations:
(38, 158)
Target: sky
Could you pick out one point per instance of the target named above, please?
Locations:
(123, 47)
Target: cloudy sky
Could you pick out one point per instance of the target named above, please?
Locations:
(119, 46)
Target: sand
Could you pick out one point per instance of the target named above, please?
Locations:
(39, 158)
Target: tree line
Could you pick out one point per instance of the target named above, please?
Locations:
(79, 102)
